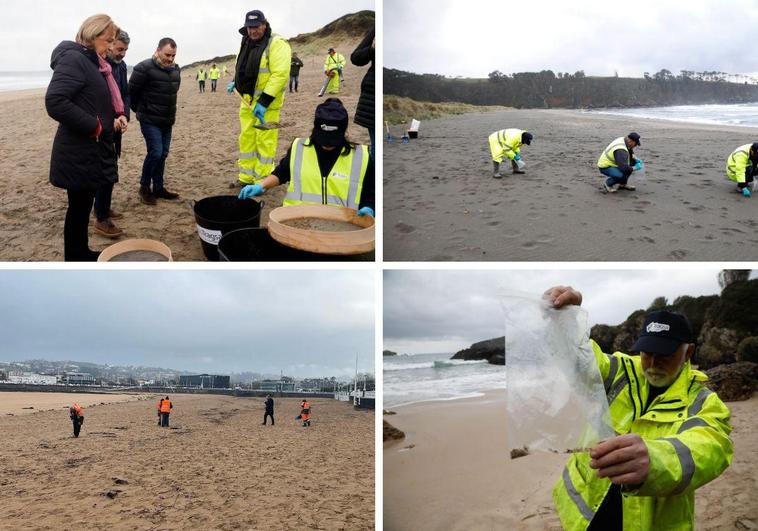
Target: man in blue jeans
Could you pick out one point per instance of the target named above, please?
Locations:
(152, 88)
(617, 162)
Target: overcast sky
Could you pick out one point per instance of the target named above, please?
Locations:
(202, 28)
(474, 37)
(306, 323)
(445, 311)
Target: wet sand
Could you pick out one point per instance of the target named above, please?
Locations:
(453, 471)
(202, 162)
(217, 467)
(441, 202)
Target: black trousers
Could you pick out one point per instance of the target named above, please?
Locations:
(266, 417)
(164, 419)
(77, 422)
(75, 238)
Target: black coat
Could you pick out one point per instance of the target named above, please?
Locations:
(361, 56)
(152, 92)
(76, 97)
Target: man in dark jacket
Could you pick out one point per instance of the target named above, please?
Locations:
(103, 212)
(295, 65)
(269, 410)
(152, 89)
(364, 114)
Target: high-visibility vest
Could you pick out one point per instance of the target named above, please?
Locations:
(686, 430)
(165, 406)
(214, 73)
(334, 62)
(509, 141)
(201, 75)
(342, 186)
(606, 159)
(273, 71)
(305, 409)
(76, 409)
(737, 163)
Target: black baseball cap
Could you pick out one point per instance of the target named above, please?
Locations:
(253, 19)
(330, 50)
(754, 147)
(330, 123)
(663, 332)
(526, 138)
(635, 137)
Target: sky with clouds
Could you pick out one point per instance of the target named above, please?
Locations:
(202, 28)
(474, 37)
(305, 323)
(445, 311)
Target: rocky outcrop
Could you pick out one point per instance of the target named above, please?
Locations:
(391, 433)
(716, 346)
(747, 350)
(388, 353)
(735, 381)
(492, 350)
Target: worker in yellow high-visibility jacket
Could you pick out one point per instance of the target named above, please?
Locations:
(673, 435)
(261, 75)
(742, 167)
(213, 74)
(333, 69)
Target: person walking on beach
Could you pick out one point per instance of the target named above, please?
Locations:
(224, 71)
(305, 413)
(104, 215)
(333, 67)
(326, 168)
(164, 408)
(200, 77)
(260, 78)
(76, 414)
(213, 74)
(364, 113)
(295, 65)
(742, 167)
(83, 97)
(269, 410)
(152, 88)
(617, 162)
(673, 434)
(507, 143)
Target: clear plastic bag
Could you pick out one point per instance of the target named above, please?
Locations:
(555, 395)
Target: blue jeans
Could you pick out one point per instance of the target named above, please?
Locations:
(158, 141)
(615, 176)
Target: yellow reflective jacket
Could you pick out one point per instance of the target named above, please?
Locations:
(214, 73)
(342, 186)
(737, 163)
(274, 71)
(201, 75)
(607, 160)
(334, 61)
(509, 141)
(686, 430)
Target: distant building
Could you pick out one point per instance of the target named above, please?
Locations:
(30, 378)
(285, 385)
(205, 381)
(78, 378)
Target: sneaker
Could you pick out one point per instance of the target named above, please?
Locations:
(611, 189)
(107, 228)
(146, 196)
(627, 187)
(165, 194)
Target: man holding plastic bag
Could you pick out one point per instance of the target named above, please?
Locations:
(673, 434)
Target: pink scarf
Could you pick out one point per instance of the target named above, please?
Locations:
(107, 71)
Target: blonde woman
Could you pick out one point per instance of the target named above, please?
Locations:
(84, 99)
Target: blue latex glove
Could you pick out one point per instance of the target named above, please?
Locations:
(251, 190)
(517, 156)
(230, 87)
(259, 111)
(638, 166)
(746, 191)
(366, 210)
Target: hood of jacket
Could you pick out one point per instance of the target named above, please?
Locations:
(67, 47)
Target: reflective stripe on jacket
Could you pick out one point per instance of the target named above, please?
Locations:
(607, 160)
(737, 163)
(342, 186)
(686, 430)
(334, 62)
(509, 141)
(274, 71)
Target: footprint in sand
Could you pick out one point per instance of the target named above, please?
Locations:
(678, 254)
(404, 228)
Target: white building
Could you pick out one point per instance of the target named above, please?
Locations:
(30, 378)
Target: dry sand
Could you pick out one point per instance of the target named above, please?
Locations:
(202, 162)
(441, 202)
(458, 474)
(217, 468)
(19, 403)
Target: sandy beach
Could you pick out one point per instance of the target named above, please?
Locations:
(22, 403)
(217, 467)
(453, 471)
(441, 202)
(202, 162)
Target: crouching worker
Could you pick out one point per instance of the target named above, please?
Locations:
(326, 168)
(305, 413)
(742, 167)
(76, 414)
(617, 162)
(507, 143)
(673, 434)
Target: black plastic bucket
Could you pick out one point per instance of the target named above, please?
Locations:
(217, 215)
(257, 245)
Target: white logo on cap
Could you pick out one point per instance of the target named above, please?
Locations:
(325, 127)
(253, 17)
(657, 327)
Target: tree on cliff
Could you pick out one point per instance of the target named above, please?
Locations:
(729, 276)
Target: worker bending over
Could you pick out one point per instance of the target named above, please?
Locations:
(742, 167)
(507, 143)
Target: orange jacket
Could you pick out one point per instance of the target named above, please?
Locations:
(305, 410)
(76, 409)
(165, 406)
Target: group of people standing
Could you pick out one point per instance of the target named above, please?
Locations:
(214, 73)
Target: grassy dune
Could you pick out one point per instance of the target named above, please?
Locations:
(399, 110)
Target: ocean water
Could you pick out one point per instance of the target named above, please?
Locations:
(10, 81)
(742, 114)
(422, 377)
